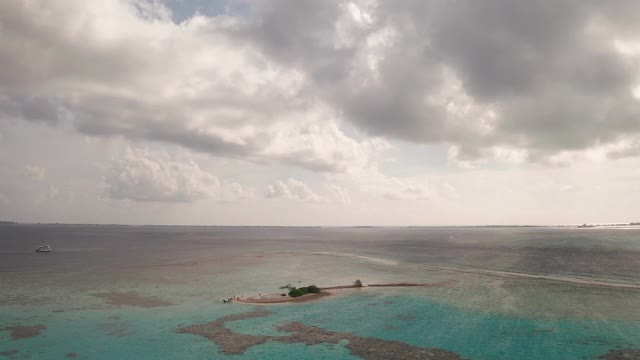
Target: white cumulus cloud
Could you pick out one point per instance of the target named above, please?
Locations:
(143, 176)
(292, 189)
(35, 172)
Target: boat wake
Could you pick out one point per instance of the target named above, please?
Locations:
(360, 257)
(557, 278)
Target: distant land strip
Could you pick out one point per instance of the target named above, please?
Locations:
(326, 291)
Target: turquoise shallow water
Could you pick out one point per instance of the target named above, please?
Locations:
(409, 316)
(492, 308)
(421, 322)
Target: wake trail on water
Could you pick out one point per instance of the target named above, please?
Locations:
(355, 256)
(477, 271)
(557, 278)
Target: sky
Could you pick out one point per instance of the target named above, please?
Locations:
(304, 112)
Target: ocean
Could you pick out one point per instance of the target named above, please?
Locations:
(155, 292)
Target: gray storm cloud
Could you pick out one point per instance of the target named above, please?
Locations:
(541, 77)
(547, 72)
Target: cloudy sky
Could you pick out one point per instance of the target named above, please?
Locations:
(301, 112)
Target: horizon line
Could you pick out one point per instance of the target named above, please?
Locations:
(330, 226)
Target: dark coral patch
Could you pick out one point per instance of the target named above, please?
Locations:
(8, 353)
(406, 317)
(117, 329)
(230, 342)
(23, 332)
(623, 354)
(368, 348)
(543, 330)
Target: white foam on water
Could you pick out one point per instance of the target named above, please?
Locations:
(354, 256)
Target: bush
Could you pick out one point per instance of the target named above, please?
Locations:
(357, 283)
(295, 292)
(311, 289)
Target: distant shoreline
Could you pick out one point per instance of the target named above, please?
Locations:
(279, 298)
(624, 226)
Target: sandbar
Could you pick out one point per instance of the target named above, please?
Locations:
(331, 290)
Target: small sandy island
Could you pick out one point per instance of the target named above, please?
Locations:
(328, 291)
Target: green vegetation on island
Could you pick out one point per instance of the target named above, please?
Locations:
(311, 289)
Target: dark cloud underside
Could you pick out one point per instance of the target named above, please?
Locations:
(542, 77)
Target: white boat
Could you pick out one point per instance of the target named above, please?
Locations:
(44, 248)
